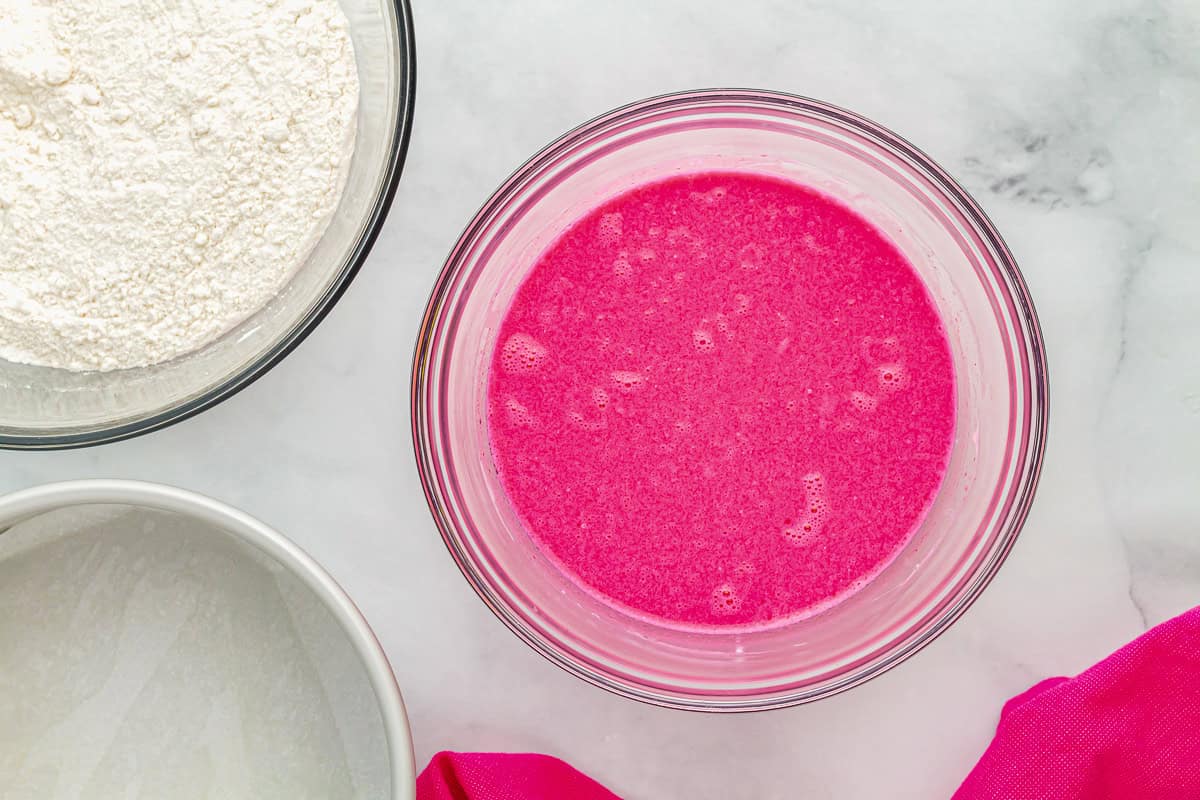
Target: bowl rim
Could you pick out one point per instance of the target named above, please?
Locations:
(25, 504)
(402, 128)
(1029, 459)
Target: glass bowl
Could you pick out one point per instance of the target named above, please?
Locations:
(996, 454)
(42, 408)
(183, 640)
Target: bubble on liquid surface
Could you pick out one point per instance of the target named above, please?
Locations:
(750, 257)
(723, 326)
(725, 599)
(877, 351)
(863, 402)
(810, 522)
(609, 229)
(702, 340)
(522, 354)
(622, 268)
(626, 381)
(646, 255)
(855, 586)
(802, 532)
(600, 398)
(741, 303)
(892, 377)
(518, 414)
(580, 421)
(711, 197)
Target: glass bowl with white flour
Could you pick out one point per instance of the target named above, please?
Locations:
(185, 191)
(155, 643)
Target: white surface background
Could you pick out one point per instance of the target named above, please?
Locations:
(1076, 124)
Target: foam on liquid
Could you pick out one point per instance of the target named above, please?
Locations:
(722, 399)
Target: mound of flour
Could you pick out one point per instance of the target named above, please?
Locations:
(146, 656)
(164, 168)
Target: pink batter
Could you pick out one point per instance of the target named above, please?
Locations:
(722, 399)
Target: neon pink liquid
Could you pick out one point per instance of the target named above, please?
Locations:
(721, 399)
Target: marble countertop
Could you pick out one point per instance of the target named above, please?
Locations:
(1076, 124)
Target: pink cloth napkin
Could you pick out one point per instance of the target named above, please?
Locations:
(1126, 729)
(505, 776)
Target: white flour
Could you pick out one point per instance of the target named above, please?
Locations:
(164, 168)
